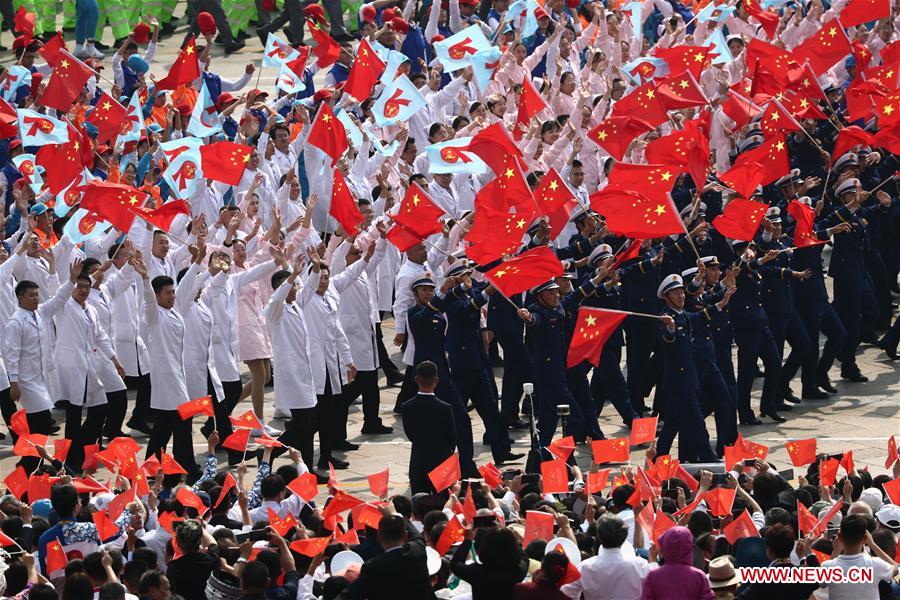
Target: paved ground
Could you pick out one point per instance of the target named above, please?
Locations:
(861, 416)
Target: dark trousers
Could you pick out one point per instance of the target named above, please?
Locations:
(366, 385)
(515, 371)
(169, 425)
(8, 409)
(82, 434)
(683, 417)
(299, 433)
(384, 359)
(640, 335)
(447, 392)
(578, 384)
(213, 7)
(116, 407)
(890, 340)
(141, 385)
(818, 316)
(715, 398)
(232, 391)
(9, 14)
(39, 422)
(408, 388)
(752, 344)
(608, 383)
(223, 423)
(325, 418)
(548, 397)
(848, 302)
(474, 385)
(291, 15)
(790, 328)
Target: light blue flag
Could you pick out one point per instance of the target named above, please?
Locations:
(391, 63)
(205, 120)
(134, 120)
(399, 100)
(634, 9)
(353, 132)
(484, 63)
(720, 46)
(386, 151)
(16, 77)
(184, 174)
(521, 14)
(449, 157)
(36, 129)
(84, 226)
(646, 68)
(32, 172)
(71, 194)
(712, 12)
(288, 81)
(456, 51)
(278, 52)
(767, 4)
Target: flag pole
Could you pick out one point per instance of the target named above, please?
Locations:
(798, 124)
(629, 313)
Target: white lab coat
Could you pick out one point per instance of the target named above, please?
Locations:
(294, 387)
(129, 339)
(102, 301)
(358, 309)
(329, 350)
(36, 269)
(29, 350)
(164, 329)
(81, 345)
(8, 305)
(198, 327)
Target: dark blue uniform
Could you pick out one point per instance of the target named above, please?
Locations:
(509, 331)
(640, 278)
(577, 376)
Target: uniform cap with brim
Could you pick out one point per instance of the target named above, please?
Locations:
(710, 261)
(689, 272)
(548, 285)
(580, 214)
(850, 159)
(773, 214)
(423, 282)
(792, 177)
(432, 560)
(686, 211)
(458, 268)
(601, 252)
(669, 283)
(847, 186)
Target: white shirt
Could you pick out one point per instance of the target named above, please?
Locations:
(165, 342)
(611, 574)
(881, 570)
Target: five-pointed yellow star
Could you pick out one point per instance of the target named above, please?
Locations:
(804, 103)
(509, 173)
(774, 116)
(666, 176)
(683, 83)
(500, 273)
(699, 57)
(553, 185)
(601, 135)
(888, 109)
(779, 146)
(326, 118)
(591, 320)
(416, 200)
(832, 32)
(64, 64)
(520, 223)
(133, 200)
(189, 50)
(650, 94)
(107, 106)
(660, 209)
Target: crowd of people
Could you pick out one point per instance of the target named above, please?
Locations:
(550, 205)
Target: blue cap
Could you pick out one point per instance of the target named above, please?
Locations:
(91, 129)
(423, 281)
(38, 209)
(850, 62)
(547, 285)
(458, 268)
(137, 64)
(41, 508)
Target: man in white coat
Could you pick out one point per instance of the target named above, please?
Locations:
(8, 306)
(164, 329)
(295, 391)
(28, 353)
(81, 348)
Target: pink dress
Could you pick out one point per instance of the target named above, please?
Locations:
(253, 336)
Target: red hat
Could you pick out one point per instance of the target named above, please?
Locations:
(224, 100)
(367, 13)
(103, 149)
(573, 3)
(23, 41)
(540, 13)
(469, 2)
(389, 13)
(400, 25)
(15, 144)
(323, 94)
(141, 33)
(257, 93)
(437, 38)
(206, 23)
(93, 63)
(315, 12)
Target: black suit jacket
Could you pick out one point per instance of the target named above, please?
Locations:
(429, 425)
(398, 573)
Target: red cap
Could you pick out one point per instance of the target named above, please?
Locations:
(389, 13)
(206, 23)
(540, 13)
(23, 41)
(368, 13)
(224, 99)
(257, 93)
(572, 3)
(103, 149)
(323, 94)
(469, 2)
(400, 24)
(15, 144)
(437, 38)
(314, 11)
(141, 33)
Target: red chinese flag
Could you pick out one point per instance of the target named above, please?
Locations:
(634, 215)
(555, 201)
(170, 466)
(562, 448)
(496, 234)
(892, 489)
(112, 202)
(847, 461)
(238, 440)
(9, 127)
(106, 529)
(6, 541)
(776, 119)
(720, 500)
(525, 271)
(739, 109)
(23, 22)
(891, 453)
(61, 449)
(530, 105)
(468, 509)
(402, 238)
(682, 474)
(27, 445)
(197, 406)
(824, 48)
(692, 506)
(554, 477)
(190, 500)
(18, 423)
(538, 526)
(643, 431)
(90, 462)
(767, 20)
(55, 557)
(614, 450)
(70, 75)
(163, 216)
(51, 50)
(680, 91)
(445, 474)
(117, 505)
(351, 538)
(596, 481)
(661, 524)
(592, 329)
(632, 251)
(806, 521)
(248, 420)
(491, 475)
(687, 148)
(224, 161)
(107, 116)
(365, 72)
(849, 138)
(305, 485)
(343, 206)
(185, 69)
(327, 50)
(509, 189)
(139, 483)
(365, 515)
(828, 471)
(741, 527)
(227, 485)
(492, 144)
(378, 483)
(857, 12)
(684, 58)
(281, 525)
(418, 214)
(453, 533)
(744, 177)
(644, 103)
(804, 216)
(666, 467)
(62, 163)
(887, 108)
(328, 134)
(740, 219)
(616, 133)
(39, 487)
(802, 452)
(311, 546)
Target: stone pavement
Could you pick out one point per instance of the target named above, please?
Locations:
(861, 417)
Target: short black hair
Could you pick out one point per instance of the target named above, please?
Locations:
(150, 580)
(780, 540)
(278, 278)
(161, 281)
(25, 285)
(271, 486)
(131, 573)
(64, 499)
(112, 591)
(392, 528)
(426, 370)
(255, 576)
(853, 529)
(278, 126)
(576, 164)
(435, 127)
(93, 567)
(113, 250)
(611, 531)
(89, 262)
